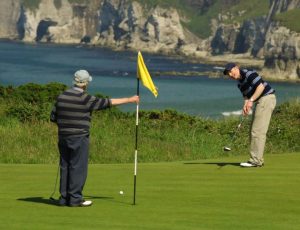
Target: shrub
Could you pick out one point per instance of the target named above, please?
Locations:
(30, 112)
(31, 101)
(38, 94)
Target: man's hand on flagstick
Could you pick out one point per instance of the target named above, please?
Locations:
(125, 100)
(134, 99)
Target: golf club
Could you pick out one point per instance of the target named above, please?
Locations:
(226, 148)
(51, 196)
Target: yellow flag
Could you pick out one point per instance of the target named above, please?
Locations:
(144, 76)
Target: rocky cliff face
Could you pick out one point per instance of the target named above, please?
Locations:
(124, 24)
(9, 17)
(66, 23)
(263, 38)
(129, 26)
(282, 53)
(282, 46)
(119, 24)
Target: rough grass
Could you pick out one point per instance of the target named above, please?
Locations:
(290, 19)
(249, 9)
(167, 135)
(204, 194)
(163, 136)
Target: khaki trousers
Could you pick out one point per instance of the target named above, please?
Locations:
(260, 124)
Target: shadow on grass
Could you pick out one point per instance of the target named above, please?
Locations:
(41, 200)
(54, 202)
(220, 164)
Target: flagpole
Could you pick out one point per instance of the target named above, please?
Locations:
(144, 76)
(136, 140)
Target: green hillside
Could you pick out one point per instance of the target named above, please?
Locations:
(199, 20)
(290, 19)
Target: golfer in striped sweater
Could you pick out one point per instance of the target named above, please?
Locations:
(256, 92)
(72, 114)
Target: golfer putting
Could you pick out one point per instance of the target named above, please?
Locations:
(72, 114)
(258, 94)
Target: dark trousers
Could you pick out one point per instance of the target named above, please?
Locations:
(74, 153)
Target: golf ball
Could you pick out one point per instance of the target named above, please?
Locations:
(121, 192)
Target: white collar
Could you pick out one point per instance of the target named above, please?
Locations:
(78, 89)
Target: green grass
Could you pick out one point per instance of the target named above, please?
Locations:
(112, 140)
(204, 194)
(163, 136)
(33, 5)
(290, 19)
(200, 23)
(250, 9)
(167, 135)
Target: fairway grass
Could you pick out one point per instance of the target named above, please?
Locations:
(204, 194)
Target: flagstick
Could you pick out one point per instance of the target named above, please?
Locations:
(136, 140)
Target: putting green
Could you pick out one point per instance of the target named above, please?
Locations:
(204, 194)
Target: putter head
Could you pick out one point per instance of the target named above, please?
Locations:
(226, 149)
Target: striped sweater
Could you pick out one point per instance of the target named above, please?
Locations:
(73, 109)
(249, 82)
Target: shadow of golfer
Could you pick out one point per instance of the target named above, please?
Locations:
(220, 164)
(41, 200)
(54, 202)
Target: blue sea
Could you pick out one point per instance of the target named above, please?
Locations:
(114, 74)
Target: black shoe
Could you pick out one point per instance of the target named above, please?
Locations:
(84, 203)
(62, 201)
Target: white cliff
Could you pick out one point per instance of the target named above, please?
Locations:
(65, 24)
(129, 26)
(119, 24)
(282, 53)
(9, 17)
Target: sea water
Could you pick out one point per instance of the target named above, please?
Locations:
(114, 74)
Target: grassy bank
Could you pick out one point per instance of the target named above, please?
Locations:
(289, 19)
(203, 194)
(198, 20)
(29, 137)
